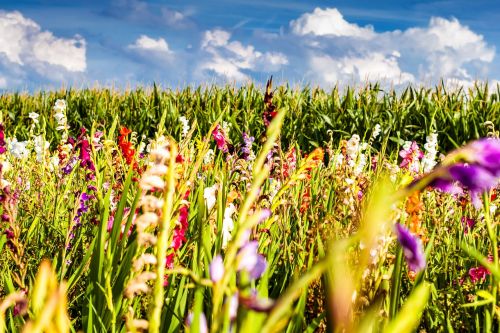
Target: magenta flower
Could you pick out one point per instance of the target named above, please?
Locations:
(468, 223)
(220, 139)
(477, 274)
(2, 140)
(412, 248)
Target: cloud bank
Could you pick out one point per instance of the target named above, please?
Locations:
(320, 47)
(27, 52)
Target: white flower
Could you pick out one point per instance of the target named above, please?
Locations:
(352, 148)
(150, 182)
(376, 131)
(41, 146)
(429, 160)
(54, 163)
(18, 148)
(160, 141)
(209, 195)
(60, 105)
(4, 183)
(6, 166)
(60, 118)
(185, 126)
(360, 165)
(207, 159)
(226, 127)
(338, 159)
(227, 224)
(34, 116)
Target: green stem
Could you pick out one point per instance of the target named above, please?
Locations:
(492, 233)
(396, 283)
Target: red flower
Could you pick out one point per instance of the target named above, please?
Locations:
(125, 131)
(126, 147)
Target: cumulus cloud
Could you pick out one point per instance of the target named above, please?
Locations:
(328, 22)
(150, 44)
(372, 67)
(26, 48)
(232, 59)
(338, 51)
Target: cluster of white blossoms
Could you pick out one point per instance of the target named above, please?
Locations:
(18, 149)
(60, 117)
(159, 142)
(429, 160)
(34, 116)
(355, 154)
(210, 196)
(185, 126)
(376, 132)
(227, 224)
(41, 147)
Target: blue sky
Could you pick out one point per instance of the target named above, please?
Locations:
(123, 43)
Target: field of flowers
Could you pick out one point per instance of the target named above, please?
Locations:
(247, 210)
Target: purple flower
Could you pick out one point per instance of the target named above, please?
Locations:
(486, 153)
(251, 261)
(412, 248)
(468, 224)
(477, 168)
(255, 303)
(233, 306)
(216, 268)
(246, 149)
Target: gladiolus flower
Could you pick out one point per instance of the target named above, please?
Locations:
(220, 139)
(477, 168)
(216, 268)
(412, 248)
(249, 260)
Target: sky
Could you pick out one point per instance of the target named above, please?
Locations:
(126, 43)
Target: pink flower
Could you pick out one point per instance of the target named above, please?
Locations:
(477, 274)
(220, 139)
(411, 156)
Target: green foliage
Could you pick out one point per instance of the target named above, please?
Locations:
(332, 259)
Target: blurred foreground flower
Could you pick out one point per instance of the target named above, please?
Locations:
(412, 247)
(251, 261)
(475, 167)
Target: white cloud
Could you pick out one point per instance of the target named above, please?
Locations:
(328, 22)
(446, 47)
(372, 67)
(228, 58)
(24, 43)
(150, 44)
(27, 53)
(338, 51)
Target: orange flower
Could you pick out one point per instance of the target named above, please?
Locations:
(125, 131)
